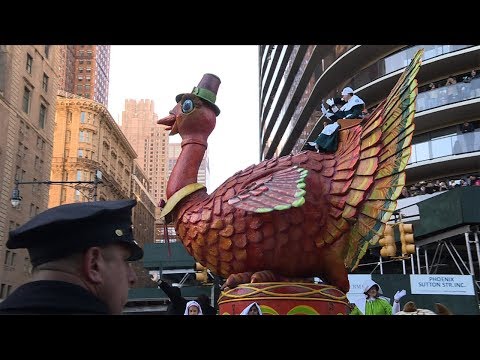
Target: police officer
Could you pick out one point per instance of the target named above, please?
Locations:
(80, 255)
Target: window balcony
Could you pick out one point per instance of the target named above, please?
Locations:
(449, 94)
(445, 146)
(399, 60)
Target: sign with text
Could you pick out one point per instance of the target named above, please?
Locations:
(357, 281)
(442, 284)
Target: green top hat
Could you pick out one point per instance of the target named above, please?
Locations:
(206, 90)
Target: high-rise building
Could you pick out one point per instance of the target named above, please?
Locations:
(139, 124)
(87, 140)
(296, 79)
(66, 68)
(84, 70)
(28, 89)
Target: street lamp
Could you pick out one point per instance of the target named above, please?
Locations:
(16, 198)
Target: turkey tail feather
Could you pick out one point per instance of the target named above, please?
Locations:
(390, 127)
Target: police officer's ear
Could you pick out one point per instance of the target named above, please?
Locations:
(93, 261)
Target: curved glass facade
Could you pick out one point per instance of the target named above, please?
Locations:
(283, 105)
(400, 60)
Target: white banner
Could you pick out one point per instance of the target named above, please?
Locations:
(356, 286)
(442, 284)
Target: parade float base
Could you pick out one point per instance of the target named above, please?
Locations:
(285, 298)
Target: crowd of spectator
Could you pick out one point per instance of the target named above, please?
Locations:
(424, 187)
(455, 88)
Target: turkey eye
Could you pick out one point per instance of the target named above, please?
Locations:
(187, 106)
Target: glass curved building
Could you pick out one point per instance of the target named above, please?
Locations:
(296, 79)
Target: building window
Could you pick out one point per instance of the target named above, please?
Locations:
(82, 115)
(80, 153)
(45, 82)
(26, 265)
(77, 195)
(7, 257)
(79, 175)
(26, 99)
(84, 136)
(40, 143)
(32, 210)
(34, 186)
(29, 64)
(47, 50)
(43, 116)
(19, 173)
(79, 88)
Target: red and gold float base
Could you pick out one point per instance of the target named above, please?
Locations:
(285, 298)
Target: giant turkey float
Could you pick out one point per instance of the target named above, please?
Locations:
(271, 228)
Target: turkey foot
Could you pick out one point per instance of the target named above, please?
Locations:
(257, 277)
(236, 279)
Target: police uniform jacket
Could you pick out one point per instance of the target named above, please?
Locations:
(52, 297)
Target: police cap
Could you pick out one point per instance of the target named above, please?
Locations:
(67, 229)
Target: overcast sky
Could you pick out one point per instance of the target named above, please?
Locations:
(160, 72)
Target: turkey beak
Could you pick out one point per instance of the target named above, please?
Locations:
(170, 123)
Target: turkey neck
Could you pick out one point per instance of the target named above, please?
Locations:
(185, 171)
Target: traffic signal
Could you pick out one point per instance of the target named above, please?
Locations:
(388, 242)
(407, 239)
(201, 273)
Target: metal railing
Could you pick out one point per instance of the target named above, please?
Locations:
(448, 94)
(445, 146)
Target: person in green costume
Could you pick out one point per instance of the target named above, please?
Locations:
(374, 304)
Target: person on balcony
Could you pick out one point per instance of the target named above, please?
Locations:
(452, 91)
(467, 129)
